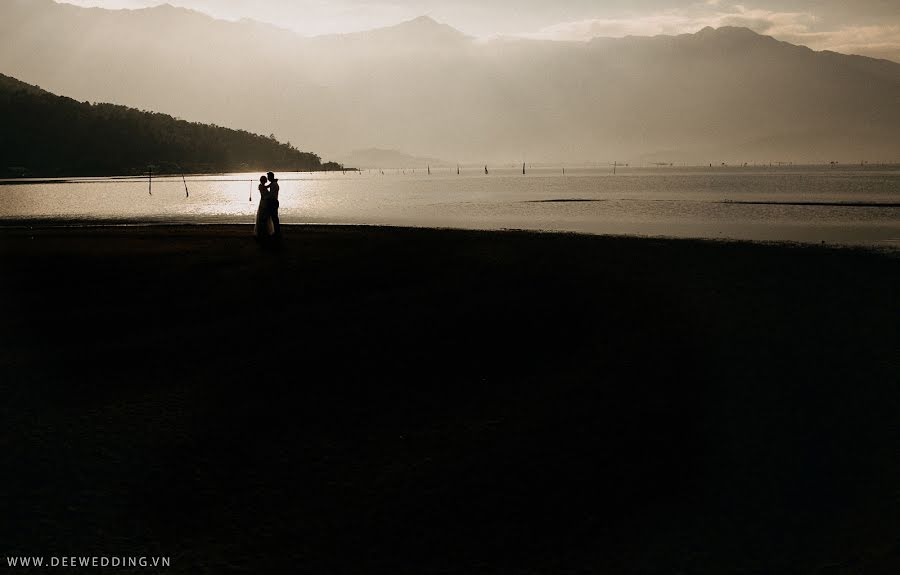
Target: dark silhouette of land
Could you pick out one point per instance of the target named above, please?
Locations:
(49, 135)
(448, 402)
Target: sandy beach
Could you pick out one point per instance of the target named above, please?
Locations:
(390, 400)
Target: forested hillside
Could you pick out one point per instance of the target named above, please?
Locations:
(42, 134)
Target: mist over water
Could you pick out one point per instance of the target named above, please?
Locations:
(853, 206)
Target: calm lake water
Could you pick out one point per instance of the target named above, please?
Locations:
(854, 206)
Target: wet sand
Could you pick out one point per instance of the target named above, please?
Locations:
(431, 401)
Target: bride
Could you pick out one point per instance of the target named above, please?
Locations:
(264, 229)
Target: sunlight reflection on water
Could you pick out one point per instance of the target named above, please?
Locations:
(795, 204)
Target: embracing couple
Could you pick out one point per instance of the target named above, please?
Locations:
(268, 229)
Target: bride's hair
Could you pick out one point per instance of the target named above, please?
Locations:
(262, 180)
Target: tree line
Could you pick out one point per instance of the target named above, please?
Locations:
(45, 135)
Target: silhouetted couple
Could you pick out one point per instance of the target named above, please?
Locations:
(268, 229)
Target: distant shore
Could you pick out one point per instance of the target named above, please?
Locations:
(419, 401)
(49, 176)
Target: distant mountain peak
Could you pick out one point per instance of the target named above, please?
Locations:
(424, 20)
(167, 8)
(418, 31)
(426, 25)
(728, 32)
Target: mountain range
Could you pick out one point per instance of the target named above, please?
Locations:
(724, 94)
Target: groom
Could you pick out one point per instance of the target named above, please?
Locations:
(273, 205)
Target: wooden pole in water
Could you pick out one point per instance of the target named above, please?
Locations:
(251, 190)
(150, 178)
(186, 194)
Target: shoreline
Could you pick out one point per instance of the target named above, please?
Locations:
(887, 249)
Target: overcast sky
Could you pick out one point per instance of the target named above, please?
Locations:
(868, 27)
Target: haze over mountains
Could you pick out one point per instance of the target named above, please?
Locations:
(726, 95)
(374, 158)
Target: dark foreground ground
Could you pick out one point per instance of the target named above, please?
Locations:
(412, 401)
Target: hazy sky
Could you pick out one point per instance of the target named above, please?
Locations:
(870, 27)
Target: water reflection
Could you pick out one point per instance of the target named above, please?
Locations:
(857, 206)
